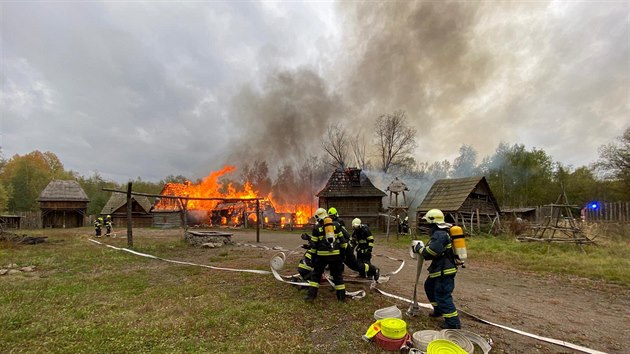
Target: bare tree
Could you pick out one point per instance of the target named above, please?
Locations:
(395, 140)
(358, 149)
(336, 145)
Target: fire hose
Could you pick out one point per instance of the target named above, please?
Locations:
(361, 293)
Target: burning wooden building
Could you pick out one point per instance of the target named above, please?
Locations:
(211, 203)
(63, 204)
(352, 193)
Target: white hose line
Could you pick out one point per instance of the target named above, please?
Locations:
(255, 271)
(527, 334)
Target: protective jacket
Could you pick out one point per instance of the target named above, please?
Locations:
(328, 253)
(440, 251)
(320, 247)
(364, 239)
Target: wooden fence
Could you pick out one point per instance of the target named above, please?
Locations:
(30, 219)
(618, 212)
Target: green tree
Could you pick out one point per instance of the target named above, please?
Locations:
(26, 176)
(93, 187)
(5, 194)
(614, 159)
(519, 177)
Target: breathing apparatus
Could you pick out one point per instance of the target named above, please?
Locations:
(459, 244)
(329, 229)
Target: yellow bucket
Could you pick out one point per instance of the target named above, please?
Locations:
(444, 346)
(393, 328)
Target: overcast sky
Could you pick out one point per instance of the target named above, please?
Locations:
(150, 89)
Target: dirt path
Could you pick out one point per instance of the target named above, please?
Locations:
(592, 314)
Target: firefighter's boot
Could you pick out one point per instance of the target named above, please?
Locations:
(341, 295)
(311, 294)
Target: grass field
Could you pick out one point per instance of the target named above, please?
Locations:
(608, 259)
(89, 298)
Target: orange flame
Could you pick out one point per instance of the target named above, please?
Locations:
(211, 187)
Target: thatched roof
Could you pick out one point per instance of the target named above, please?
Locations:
(350, 183)
(58, 190)
(450, 194)
(117, 200)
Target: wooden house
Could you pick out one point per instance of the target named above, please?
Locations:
(467, 202)
(63, 204)
(116, 206)
(352, 193)
(168, 212)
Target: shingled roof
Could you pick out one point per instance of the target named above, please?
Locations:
(58, 190)
(350, 183)
(450, 194)
(117, 200)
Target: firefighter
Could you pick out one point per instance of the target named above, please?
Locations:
(98, 224)
(365, 269)
(362, 235)
(305, 265)
(329, 244)
(332, 212)
(108, 225)
(440, 283)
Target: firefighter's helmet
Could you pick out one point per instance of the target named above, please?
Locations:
(356, 223)
(434, 216)
(320, 214)
(332, 211)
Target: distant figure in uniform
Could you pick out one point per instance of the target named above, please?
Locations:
(108, 225)
(98, 224)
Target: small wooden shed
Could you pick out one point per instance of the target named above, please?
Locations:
(467, 202)
(116, 206)
(63, 204)
(352, 193)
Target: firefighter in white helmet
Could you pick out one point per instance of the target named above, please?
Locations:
(440, 283)
(329, 244)
(365, 269)
(362, 236)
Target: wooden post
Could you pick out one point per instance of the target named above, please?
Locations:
(185, 205)
(129, 221)
(478, 222)
(258, 220)
(389, 211)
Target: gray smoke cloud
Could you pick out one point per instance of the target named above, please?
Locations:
(474, 73)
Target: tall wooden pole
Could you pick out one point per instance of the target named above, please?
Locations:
(258, 220)
(129, 221)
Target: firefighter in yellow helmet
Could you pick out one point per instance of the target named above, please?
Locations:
(108, 225)
(98, 224)
(328, 242)
(440, 283)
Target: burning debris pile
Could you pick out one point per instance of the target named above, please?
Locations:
(230, 208)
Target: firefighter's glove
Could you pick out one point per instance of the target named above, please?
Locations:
(305, 237)
(418, 246)
(306, 246)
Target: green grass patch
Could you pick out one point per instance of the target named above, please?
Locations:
(85, 297)
(606, 260)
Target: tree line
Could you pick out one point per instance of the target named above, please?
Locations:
(517, 176)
